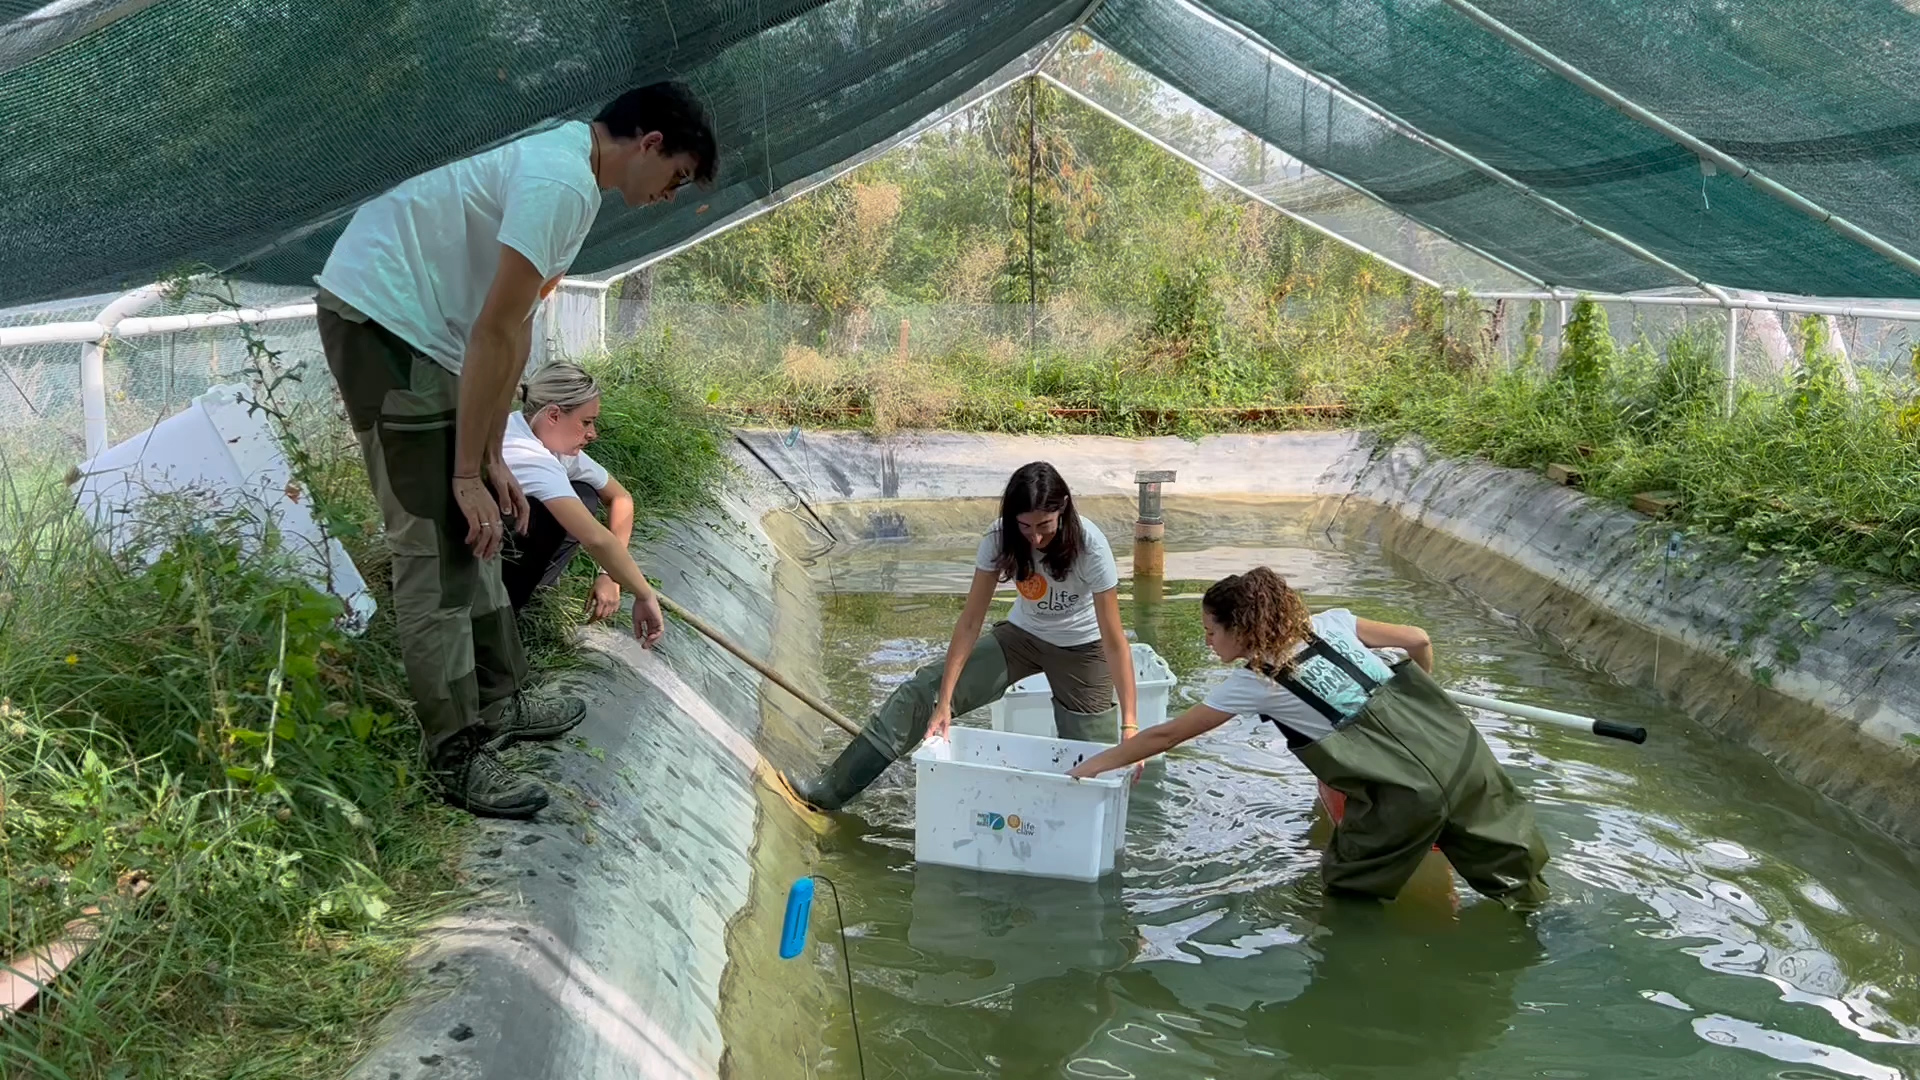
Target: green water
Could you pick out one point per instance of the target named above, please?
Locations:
(1711, 918)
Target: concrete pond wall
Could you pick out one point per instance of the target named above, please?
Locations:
(631, 931)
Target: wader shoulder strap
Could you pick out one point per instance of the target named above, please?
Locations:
(1315, 646)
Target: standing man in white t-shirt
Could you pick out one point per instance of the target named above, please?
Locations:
(426, 306)
(1065, 624)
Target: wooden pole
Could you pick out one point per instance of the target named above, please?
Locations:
(721, 639)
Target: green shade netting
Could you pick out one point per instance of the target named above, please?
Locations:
(241, 135)
(1818, 94)
(138, 137)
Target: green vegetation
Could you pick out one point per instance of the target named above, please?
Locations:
(201, 725)
(198, 749)
(1159, 304)
(1164, 305)
(1806, 468)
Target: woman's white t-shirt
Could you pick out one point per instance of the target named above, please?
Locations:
(1249, 693)
(1059, 611)
(543, 474)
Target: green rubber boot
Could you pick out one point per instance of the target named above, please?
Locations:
(858, 766)
(1100, 727)
(897, 728)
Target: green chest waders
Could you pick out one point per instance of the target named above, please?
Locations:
(1415, 774)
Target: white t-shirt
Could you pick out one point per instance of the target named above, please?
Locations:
(543, 474)
(1057, 611)
(419, 259)
(1249, 693)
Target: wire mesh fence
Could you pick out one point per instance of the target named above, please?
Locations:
(861, 353)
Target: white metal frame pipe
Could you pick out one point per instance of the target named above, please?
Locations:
(1733, 356)
(1803, 307)
(1696, 145)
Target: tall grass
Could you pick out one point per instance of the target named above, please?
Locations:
(199, 722)
(1806, 465)
(1123, 380)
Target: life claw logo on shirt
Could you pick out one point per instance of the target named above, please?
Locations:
(1034, 587)
(1012, 823)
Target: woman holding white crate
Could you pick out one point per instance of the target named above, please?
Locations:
(1065, 623)
(1401, 767)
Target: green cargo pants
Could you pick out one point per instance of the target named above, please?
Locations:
(1416, 773)
(457, 633)
(1083, 705)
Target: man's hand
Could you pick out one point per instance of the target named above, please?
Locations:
(604, 600)
(513, 501)
(648, 623)
(485, 533)
(940, 721)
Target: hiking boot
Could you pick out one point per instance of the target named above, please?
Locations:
(475, 780)
(524, 718)
(859, 765)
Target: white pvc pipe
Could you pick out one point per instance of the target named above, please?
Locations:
(144, 326)
(1572, 721)
(93, 364)
(173, 324)
(1733, 355)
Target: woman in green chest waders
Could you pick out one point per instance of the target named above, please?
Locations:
(1412, 770)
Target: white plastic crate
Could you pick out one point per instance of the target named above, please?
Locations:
(1001, 801)
(1027, 707)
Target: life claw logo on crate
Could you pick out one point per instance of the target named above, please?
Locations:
(1012, 823)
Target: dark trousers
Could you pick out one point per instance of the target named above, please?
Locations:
(457, 634)
(537, 560)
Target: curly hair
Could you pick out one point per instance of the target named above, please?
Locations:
(1264, 612)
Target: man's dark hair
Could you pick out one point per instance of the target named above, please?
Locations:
(670, 109)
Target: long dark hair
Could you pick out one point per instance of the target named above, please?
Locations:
(1038, 486)
(1264, 612)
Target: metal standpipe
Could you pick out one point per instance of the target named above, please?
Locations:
(1149, 556)
(1149, 552)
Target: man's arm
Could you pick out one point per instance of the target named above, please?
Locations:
(496, 357)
